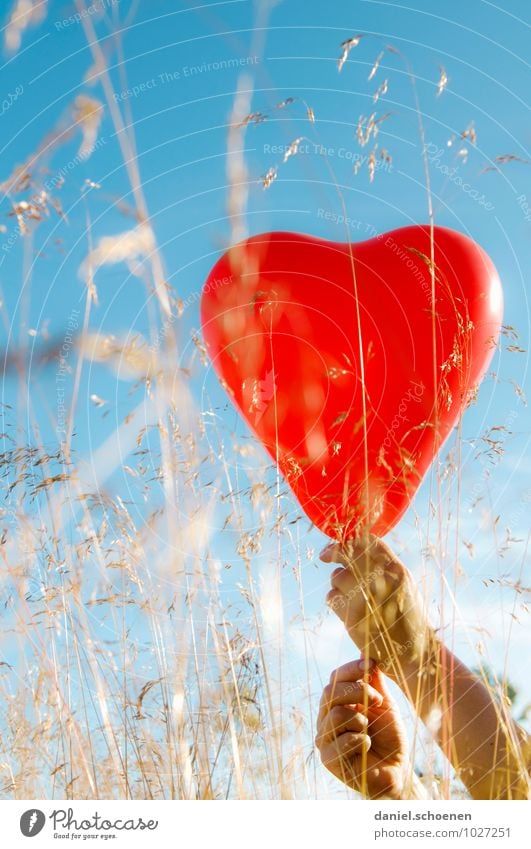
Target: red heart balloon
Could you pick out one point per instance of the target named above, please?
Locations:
(352, 363)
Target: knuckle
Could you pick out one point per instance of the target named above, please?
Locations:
(361, 721)
(334, 679)
(334, 674)
(354, 594)
(330, 599)
(349, 743)
(358, 690)
(338, 573)
(327, 692)
(375, 542)
(335, 601)
(336, 716)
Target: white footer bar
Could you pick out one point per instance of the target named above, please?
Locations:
(275, 825)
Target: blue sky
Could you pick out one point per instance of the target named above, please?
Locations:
(182, 67)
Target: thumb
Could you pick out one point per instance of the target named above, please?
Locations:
(378, 681)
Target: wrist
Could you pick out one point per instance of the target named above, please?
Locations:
(423, 660)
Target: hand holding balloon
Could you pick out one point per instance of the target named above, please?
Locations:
(376, 598)
(365, 748)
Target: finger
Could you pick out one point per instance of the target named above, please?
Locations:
(346, 606)
(354, 670)
(378, 582)
(374, 588)
(335, 553)
(382, 584)
(348, 603)
(338, 552)
(348, 693)
(359, 553)
(379, 683)
(343, 579)
(333, 754)
(352, 577)
(376, 547)
(337, 721)
(336, 601)
(384, 718)
(345, 553)
(351, 584)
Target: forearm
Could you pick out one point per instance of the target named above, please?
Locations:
(477, 734)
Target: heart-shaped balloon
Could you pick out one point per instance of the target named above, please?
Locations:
(353, 362)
